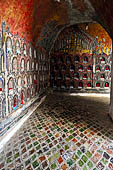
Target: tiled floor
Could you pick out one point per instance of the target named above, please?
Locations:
(64, 133)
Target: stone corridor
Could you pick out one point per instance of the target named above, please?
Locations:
(64, 133)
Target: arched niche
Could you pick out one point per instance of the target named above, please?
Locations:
(107, 85)
(19, 81)
(55, 84)
(26, 81)
(89, 85)
(15, 102)
(98, 84)
(102, 76)
(30, 52)
(22, 97)
(10, 105)
(76, 76)
(22, 65)
(56, 68)
(28, 93)
(9, 45)
(98, 68)
(53, 60)
(14, 64)
(85, 76)
(35, 79)
(77, 59)
(28, 65)
(59, 77)
(24, 49)
(3, 63)
(67, 77)
(80, 84)
(35, 54)
(10, 84)
(17, 47)
(36, 66)
(72, 68)
(31, 79)
(1, 108)
(72, 84)
(1, 85)
(63, 85)
(85, 59)
(103, 60)
(107, 68)
(89, 68)
(33, 65)
(60, 60)
(68, 59)
(81, 68)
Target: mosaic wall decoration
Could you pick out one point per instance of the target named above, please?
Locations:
(23, 74)
(81, 61)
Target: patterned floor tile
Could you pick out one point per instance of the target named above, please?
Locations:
(64, 133)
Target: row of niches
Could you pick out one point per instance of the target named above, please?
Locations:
(75, 76)
(103, 59)
(24, 81)
(16, 65)
(71, 68)
(16, 45)
(22, 65)
(100, 68)
(71, 59)
(16, 100)
(80, 68)
(80, 76)
(79, 84)
(85, 58)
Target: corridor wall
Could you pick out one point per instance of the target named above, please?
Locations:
(81, 59)
(24, 71)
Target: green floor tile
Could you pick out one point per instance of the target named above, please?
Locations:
(27, 162)
(66, 147)
(16, 155)
(70, 137)
(80, 163)
(79, 153)
(53, 166)
(35, 143)
(88, 154)
(90, 164)
(70, 162)
(84, 158)
(33, 135)
(33, 157)
(35, 164)
(85, 168)
(50, 134)
(9, 160)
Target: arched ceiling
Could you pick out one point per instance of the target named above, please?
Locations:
(41, 21)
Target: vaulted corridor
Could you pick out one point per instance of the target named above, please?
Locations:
(56, 85)
(66, 132)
